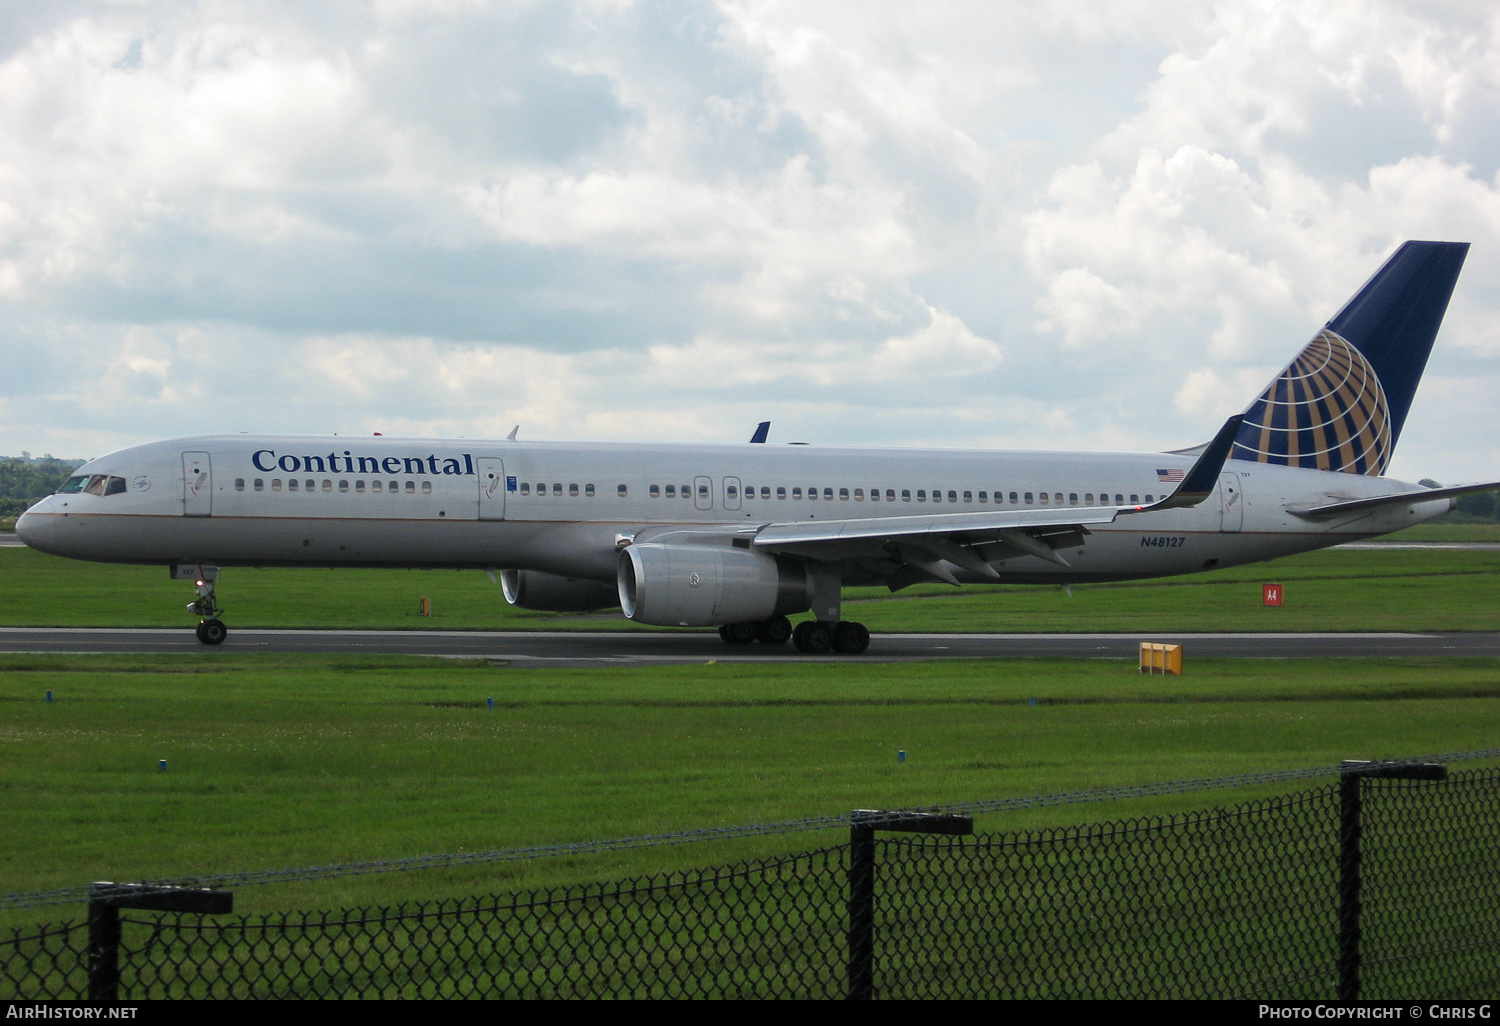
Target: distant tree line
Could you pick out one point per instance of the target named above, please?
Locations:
(25, 479)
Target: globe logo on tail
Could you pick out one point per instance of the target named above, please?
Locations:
(1326, 411)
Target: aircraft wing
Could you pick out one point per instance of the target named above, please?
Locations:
(1337, 509)
(972, 540)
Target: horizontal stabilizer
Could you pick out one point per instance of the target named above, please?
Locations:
(1337, 509)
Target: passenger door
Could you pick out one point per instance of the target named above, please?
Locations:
(492, 488)
(197, 485)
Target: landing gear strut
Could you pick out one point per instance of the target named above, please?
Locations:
(210, 630)
(826, 632)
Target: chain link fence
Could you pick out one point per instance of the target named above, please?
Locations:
(1252, 901)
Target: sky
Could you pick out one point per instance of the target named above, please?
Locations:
(1041, 225)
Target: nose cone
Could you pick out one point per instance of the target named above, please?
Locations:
(36, 529)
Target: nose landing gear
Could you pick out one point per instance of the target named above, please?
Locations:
(211, 629)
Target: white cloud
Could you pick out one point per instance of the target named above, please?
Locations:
(1029, 224)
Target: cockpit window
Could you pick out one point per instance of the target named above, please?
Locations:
(94, 484)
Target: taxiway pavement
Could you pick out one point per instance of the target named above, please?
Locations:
(569, 648)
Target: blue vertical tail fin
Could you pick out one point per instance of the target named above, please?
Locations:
(1341, 403)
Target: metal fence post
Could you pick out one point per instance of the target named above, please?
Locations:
(862, 826)
(104, 947)
(1351, 777)
(861, 910)
(105, 901)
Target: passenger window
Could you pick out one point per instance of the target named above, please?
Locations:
(859, 495)
(796, 493)
(1028, 498)
(765, 491)
(1148, 498)
(588, 491)
(327, 485)
(781, 491)
(968, 496)
(921, 495)
(1119, 499)
(525, 487)
(556, 488)
(812, 494)
(359, 486)
(411, 488)
(1014, 499)
(1043, 498)
(874, 494)
(953, 496)
(573, 490)
(890, 495)
(937, 495)
(731, 491)
(239, 484)
(906, 495)
(703, 490)
(426, 487)
(621, 491)
(291, 485)
(260, 485)
(983, 497)
(1088, 498)
(654, 491)
(343, 486)
(374, 487)
(275, 484)
(671, 491)
(1135, 499)
(1057, 498)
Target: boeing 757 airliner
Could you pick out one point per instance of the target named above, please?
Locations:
(742, 536)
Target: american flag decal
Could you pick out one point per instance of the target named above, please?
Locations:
(1169, 476)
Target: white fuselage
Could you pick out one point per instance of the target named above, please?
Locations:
(563, 508)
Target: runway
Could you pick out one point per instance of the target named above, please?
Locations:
(577, 649)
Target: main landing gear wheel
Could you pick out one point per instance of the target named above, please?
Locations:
(775, 631)
(815, 637)
(850, 638)
(212, 632)
(738, 633)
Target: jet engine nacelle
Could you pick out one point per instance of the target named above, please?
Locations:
(708, 585)
(531, 589)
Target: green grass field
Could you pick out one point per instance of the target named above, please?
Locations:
(300, 761)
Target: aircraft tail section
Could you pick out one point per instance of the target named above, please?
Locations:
(1341, 403)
